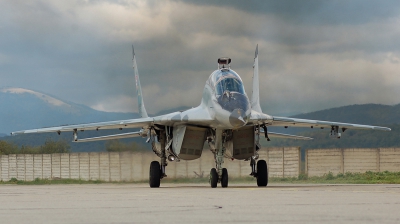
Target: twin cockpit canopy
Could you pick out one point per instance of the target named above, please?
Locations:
(225, 79)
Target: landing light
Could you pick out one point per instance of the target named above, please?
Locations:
(171, 158)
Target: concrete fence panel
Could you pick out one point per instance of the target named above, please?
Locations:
(275, 162)
(291, 162)
(84, 172)
(115, 168)
(38, 166)
(12, 166)
(21, 167)
(74, 166)
(104, 166)
(46, 166)
(94, 166)
(64, 165)
(128, 166)
(193, 167)
(206, 162)
(181, 169)
(389, 159)
(323, 161)
(29, 167)
(360, 160)
(137, 166)
(125, 159)
(56, 165)
(4, 168)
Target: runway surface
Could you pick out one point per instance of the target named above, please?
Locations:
(198, 203)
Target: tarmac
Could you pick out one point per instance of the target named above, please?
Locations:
(198, 203)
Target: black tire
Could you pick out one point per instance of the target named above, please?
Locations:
(224, 178)
(262, 173)
(155, 174)
(213, 178)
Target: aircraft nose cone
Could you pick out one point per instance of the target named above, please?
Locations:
(238, 118)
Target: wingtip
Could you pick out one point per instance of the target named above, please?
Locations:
(133, 51)
(256, 53)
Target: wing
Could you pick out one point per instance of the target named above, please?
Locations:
(296, 122)
(131, 123)
(194, 116)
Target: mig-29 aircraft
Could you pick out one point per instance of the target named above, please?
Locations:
(226, 118)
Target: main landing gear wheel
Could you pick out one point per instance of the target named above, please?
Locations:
(213, 178)
(262, 173)
(224, 178)
(155, 174)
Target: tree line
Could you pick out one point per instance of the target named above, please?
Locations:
(50, 146)
(62, 146)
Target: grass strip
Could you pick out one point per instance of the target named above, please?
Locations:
(369, 177)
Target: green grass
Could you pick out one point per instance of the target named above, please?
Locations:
(347, 178)
(368, 177)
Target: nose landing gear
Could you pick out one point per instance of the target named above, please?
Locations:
(219, 174)
(214, 178)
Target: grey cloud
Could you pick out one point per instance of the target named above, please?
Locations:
(314, 12)
(81, 51)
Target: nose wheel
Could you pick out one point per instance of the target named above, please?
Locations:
(214, 178)
(224, 178)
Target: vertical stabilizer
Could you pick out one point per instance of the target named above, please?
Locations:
(255, 98)
(142, 109)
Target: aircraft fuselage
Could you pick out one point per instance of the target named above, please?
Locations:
(226, 100)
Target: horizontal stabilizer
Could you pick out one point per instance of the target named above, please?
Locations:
(110, 137)
(280, 135)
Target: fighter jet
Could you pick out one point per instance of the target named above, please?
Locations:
(227, 119)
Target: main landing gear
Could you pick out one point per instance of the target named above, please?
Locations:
(157, 169)
(261, 173)
(155, 174)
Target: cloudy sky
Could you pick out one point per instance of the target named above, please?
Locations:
(313, 54)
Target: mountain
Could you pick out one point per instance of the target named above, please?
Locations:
(26, 109)
(372, 114)
(368, 114)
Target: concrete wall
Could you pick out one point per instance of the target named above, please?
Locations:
(322, 161)
(127, 166)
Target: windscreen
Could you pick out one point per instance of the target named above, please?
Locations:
(230, 84)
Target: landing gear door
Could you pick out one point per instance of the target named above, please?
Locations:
(188, 141)
(178, 133)
(243, 143)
